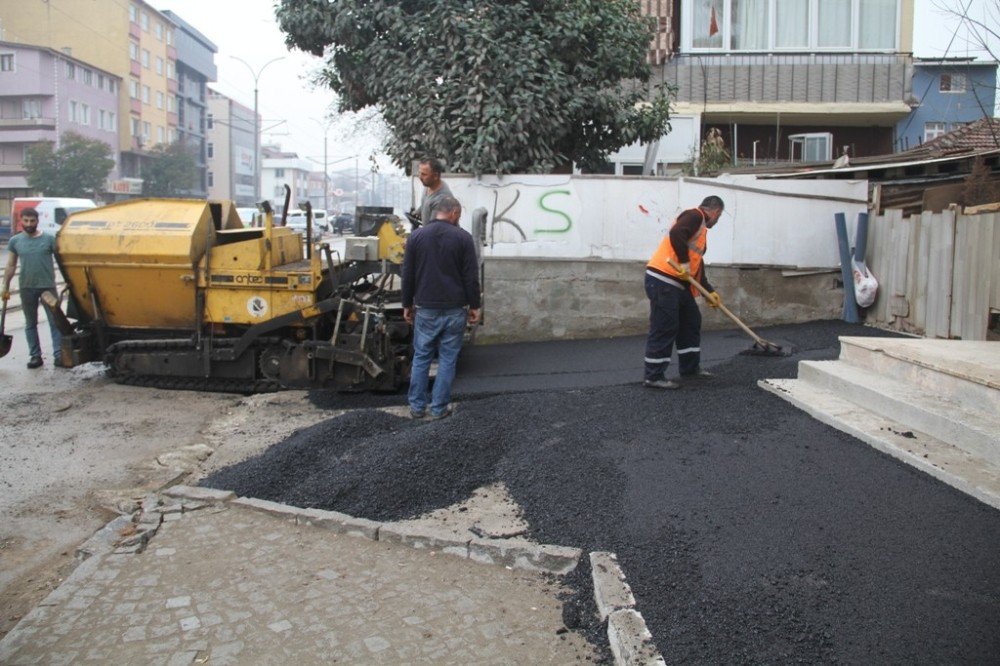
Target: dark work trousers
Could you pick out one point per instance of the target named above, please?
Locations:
(673, 317)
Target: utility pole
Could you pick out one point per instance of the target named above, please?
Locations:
(256, 123)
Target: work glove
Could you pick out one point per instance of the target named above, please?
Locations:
(714, 300)
(685, 272)
(5, 296)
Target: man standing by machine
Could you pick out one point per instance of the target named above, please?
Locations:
(440, 280)
(436, 189)
(673, 312)
(35, 250)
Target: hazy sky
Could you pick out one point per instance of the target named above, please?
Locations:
(247, 29)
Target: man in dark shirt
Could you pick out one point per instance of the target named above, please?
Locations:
(673, 313)
(440, 280)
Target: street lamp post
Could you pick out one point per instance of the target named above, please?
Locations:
(326, 171)
(256, 123)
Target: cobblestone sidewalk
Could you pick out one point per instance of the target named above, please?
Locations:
(230, 585)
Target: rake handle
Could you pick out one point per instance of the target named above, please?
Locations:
(704, 292)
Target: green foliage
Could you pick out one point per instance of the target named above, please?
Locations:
(79, 168)
(169, 171)
(713, 159)
(490, 86)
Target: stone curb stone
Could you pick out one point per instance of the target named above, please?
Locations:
(611, 592)
(631, 642)
(340, 523)
(282, 511)
(530, 557)
(199, 494)
(425, 539)
(104, 540)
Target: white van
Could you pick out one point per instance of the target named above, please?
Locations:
(52, 211)
(297, 220)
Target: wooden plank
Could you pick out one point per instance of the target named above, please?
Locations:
(877, 263)
(921, 286)
(899, 307)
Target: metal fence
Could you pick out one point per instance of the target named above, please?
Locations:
(939, 273)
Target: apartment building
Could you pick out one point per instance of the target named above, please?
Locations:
(950, 93)
(781, 80)
(44, 93)
(195, 68)
(280, 168)
(229, 150)
(127, 38)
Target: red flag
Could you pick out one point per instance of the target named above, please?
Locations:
(713, 25)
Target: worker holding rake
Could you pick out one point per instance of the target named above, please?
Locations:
(674, 316)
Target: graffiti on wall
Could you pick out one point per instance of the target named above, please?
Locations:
(556, 218)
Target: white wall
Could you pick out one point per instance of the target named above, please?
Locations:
(603, 217)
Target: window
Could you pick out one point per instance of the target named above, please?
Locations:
(135, 127)
(144, 21)
(112, 87)
(172, 134)
(133, 13)
(84, 114)
(170, 103)
(145, 94)
(952, 83)
(160, 135)
(812, 147)
(158, 30)
(102, 119)
(210, 149)
(70, 70)
(934, 130)
(88, 77)
(100, 82)
(112, 121)
(6, 62)
(159, 99)
(211, 179)
(170, 70)
(209, 119)
(133, 50)
(159, 65)
(31, 108)
(170, 37)
(796, 25)
(279, 173)
(146, 131)
(145, 58)
(72, 111)
(133, 89)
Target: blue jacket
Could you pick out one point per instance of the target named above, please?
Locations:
(440, 268)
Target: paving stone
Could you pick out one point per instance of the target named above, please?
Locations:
(631, 642)
(611, 591)
(425, 539)
(282, 511)
(530, 557)
(340, 523)
(328, 598)
(199, 494)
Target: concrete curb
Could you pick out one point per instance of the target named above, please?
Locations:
(544, 558)
(630, 640)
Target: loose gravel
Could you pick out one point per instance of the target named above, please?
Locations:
(748, 531)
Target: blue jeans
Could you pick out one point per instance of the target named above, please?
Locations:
(30, 300)
(441, 332)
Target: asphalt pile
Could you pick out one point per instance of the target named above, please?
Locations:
(748, 531)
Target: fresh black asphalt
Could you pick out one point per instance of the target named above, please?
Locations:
(749, 532)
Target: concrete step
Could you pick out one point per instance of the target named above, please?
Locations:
(941, 417)
(963, 372)
(958, 468)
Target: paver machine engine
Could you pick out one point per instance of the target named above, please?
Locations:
(178, 294)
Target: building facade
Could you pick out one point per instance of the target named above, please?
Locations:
(43, 94)
(780, 81)
(279, 169)
(229, 150)
(128, 38)
(950, 93)
(195, 68)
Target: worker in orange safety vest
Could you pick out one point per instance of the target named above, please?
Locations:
(673, 313)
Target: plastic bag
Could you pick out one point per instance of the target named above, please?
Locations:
(865, 284)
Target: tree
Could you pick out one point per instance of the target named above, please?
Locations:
(169, 171)
(79, 168)
(489, 85)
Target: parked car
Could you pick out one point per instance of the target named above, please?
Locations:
(297, 219)
(4, 228)
(249, 216)
(343, 222)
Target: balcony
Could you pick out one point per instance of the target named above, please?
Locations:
(172, 85)
(135, 68)
(134, 30)
(808, 78)
(27, 123)
(172, 119)
(135, 105)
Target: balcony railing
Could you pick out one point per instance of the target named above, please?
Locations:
(33, 123)
(790, 77)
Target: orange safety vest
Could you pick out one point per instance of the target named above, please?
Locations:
(659, 268)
